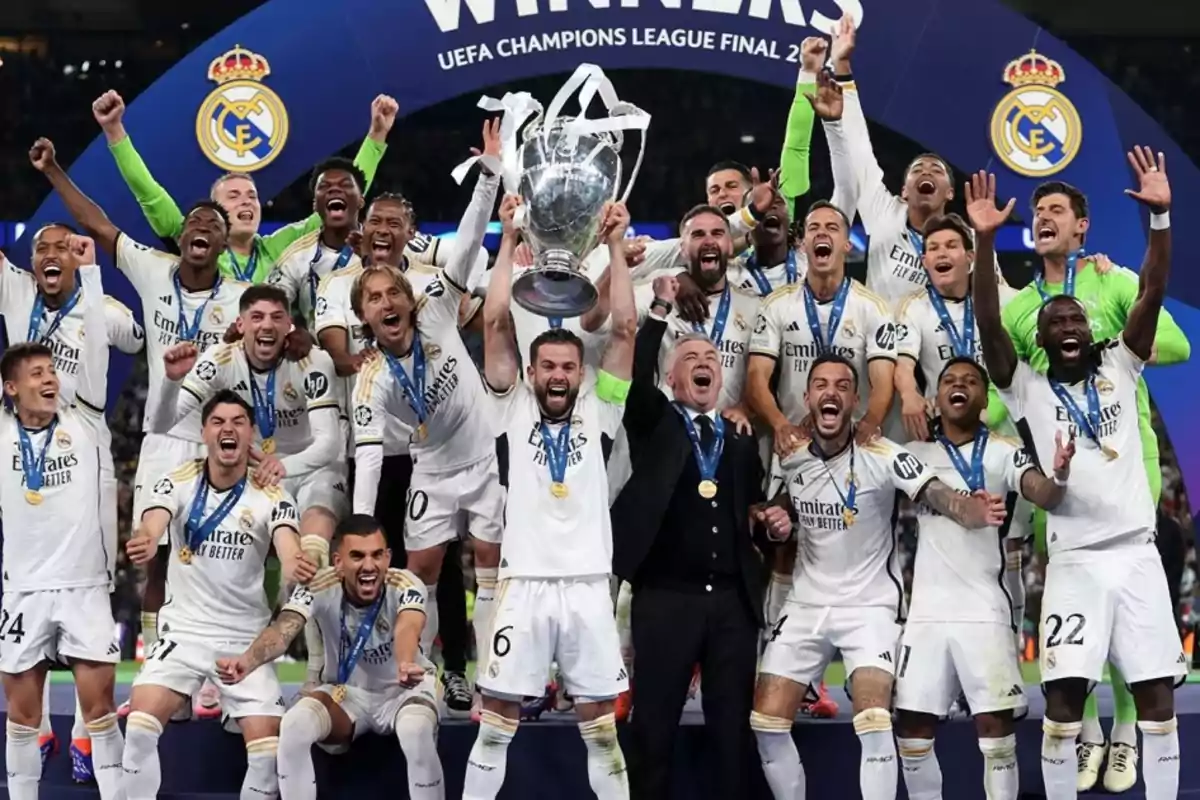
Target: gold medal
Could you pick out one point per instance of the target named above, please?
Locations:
(1108, 452)
(559, 489)
(339, 693)
(707, 489)
(185, 555)
(34, 498)
(848, 517)
(421, 433)
(268, 445)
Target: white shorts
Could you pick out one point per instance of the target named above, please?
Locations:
(806, 637)
(375, 712)
(539, 621)
(437, 501)
(160, 455)
(55, 625)
(1109, 605)
(938, 659)
(325, 488)
(108, 498)
(184, 666)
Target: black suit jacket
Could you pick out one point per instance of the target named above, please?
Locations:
(659, 448)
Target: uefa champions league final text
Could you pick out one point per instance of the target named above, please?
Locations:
(591, 38)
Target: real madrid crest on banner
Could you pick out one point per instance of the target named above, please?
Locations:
(1035, 130)
(242, 125)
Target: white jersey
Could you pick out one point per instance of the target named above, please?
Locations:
(921, 335)
(324, 600)
(745, 274)
(169, 311)
(866, 332)
(300, 387)
(547, 536)
(431, 251)
(1093, 511)
(302, 266)
(959, 573)
(219, 595)
(733, 343)
(57, 543)
(458, 430)
(855, 565)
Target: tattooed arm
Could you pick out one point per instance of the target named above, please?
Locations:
(270, 645)
(969, 510)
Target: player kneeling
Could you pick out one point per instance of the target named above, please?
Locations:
(221, 525)
(372, 617)
(959, 632)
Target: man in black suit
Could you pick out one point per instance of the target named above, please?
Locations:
(682, 537)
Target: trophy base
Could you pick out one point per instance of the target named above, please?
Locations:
(554, 289)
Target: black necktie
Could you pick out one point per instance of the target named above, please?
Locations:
(706, 432)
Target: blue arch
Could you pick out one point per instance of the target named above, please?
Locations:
(929, 70)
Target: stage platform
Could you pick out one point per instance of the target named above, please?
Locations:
(546, 760)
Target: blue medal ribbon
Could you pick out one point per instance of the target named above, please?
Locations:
(39, 309)
(414, 389)
(192, 333)
(706, 462)
(197, 529)
(314, 281)
(973, 474)
(246, 275)
(348, 657)
(835, 315)
(33, 466)
(1089, 424)
(916, 240)
(764, 286)
(557, 448)
(1068, 279)
(264, 405)
(848, 497)
(719, 319)
(963, 346)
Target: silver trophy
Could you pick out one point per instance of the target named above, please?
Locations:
(569, 167)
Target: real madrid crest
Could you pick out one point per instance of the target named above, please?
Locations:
(739, 321)
(432, 351)
(242, 125)
(848, 330)
(246, 520)
(62, 438)
(1035, 129)
(1104, 386)
(290, 392)
(217, 316)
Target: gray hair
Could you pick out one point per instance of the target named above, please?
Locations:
(694, 336)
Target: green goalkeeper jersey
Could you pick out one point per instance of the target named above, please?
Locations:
(166, 220)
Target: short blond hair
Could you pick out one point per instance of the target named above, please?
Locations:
(399, 280)
(228, 176)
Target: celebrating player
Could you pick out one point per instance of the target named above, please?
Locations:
(846, 593)
(1106, 593)
(220, 522)
(959, 628)
(558, 549)
(371, 616)
(57, 568)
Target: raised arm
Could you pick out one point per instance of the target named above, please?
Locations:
(998, 352)
(618, 356)
(89, 215)
(1040, 490)
(1154, 192)
(500, 360)
(794, 177)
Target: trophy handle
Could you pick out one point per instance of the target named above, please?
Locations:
(516, 108)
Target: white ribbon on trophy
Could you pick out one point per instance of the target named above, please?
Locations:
(516, 108)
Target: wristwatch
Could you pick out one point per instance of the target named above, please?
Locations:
(660, 303)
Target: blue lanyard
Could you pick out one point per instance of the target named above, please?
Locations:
(557, 448)
(185, 333)
(198, 529)
(33, 466)
(835, 315)
(916, 240)
(264, 404)
(1089, 425)
(764, 286)
(1068, 279)
(719, 319)
(973, 475)
(414, 389)
(348, 658)
(314, 281)
(39, 309)
(247, 275)
(963, 346)
(706, 462)
(851, 489)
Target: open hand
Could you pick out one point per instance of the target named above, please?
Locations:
(141, 547)
(179, 359)
(845, 37)
(491, 141)
(232, 669)
(763, 193)
(740, 419)
(635, 250)
(691, 303)
(300, 568)
(298, 344)
(914, 413)
(828, 102)
(866, 430)
(980, 193)
(1153, 189)
(993, 510)
(1063, 453)
(790, 438)
(268, 470)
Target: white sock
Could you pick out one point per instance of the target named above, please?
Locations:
(877, 769)
(780, 758)
(1059, 770)
(142, 774)
(262, 774)
(429, 632)
(107, 752)
(1091, 732)
(149, 629)
(1124, 733)
(416, 728)
(44, 728)
(606, 763)
(316, 652)
(777, 591)
(485, 610)
(24, 760)
(1001, 780)
(1160, 758)
(489, 757)
(79, 729)
(305, 724)
(624, 609)
(922, 773)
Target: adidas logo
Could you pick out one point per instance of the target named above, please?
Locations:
(113, 649)
(794, 327)
(165, 298)
(622, 675)
(504, 563)
(1015, 691)
(885, 657)
(1181, 660)
(241, 387)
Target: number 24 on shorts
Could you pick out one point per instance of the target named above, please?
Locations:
(11, 629)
